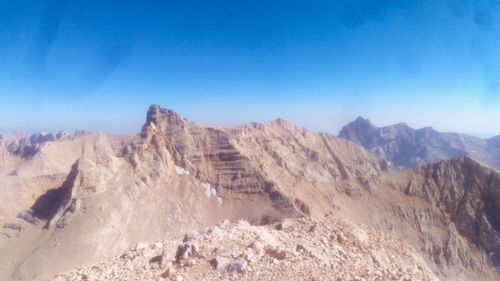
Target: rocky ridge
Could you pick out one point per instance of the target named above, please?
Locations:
(406, 147)
(300, 249)
(30, 166)
(446, 210)
(25, 146)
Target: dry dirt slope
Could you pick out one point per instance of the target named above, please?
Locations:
(177, 176)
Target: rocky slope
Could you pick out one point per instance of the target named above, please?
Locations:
(311, 167)
(178, 176)
(330, 174)
(29, 166)
(406, 147)
(290, 250)
(447, 210)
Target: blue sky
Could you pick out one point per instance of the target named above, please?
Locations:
(98, 65)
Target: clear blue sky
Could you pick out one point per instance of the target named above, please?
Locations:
(97, 65)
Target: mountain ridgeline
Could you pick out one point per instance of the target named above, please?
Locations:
(406, 147)
(88, 199)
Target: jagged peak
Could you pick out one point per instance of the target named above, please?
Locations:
(401, 125)
(361, 119)
(359, 122)
(159, 115)
(279, 122)
(360, 126)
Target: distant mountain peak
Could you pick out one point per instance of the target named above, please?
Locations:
(401, 125)
(362, 120)
(162, 117)
(407, 147)
(280, 122)
(358, 131)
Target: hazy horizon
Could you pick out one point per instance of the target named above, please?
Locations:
(87, 65)
(137, 130)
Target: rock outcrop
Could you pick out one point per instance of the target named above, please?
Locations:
(304, 249)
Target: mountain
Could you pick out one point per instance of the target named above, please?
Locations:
(176, 177)
(22, 145)
(406, 147)
(31, 165)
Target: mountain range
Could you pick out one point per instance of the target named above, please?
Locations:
(406, 147)
(95, 204)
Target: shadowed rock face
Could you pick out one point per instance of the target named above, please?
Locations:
(406, 147)
(469, 194)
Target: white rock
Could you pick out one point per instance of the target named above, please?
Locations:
(206, 187)
(257, 248)
(158, 245)
(181, 171)
(148, 253)
(141, 246)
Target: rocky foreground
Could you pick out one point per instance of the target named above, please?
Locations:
(301, 249)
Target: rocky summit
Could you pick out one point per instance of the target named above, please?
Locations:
(292, 249)
(272, 201)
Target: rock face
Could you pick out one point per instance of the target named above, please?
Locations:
(206, 152)
(177, 176)
(448, 210)
(406, 147)
(311, 167)
(305, 249)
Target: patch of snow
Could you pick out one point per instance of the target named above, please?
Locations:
(210, 191)
(181, 171)
(206, 186)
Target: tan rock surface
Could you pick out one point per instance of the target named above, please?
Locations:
(302, 250)
(24, 178)
(178, 176)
